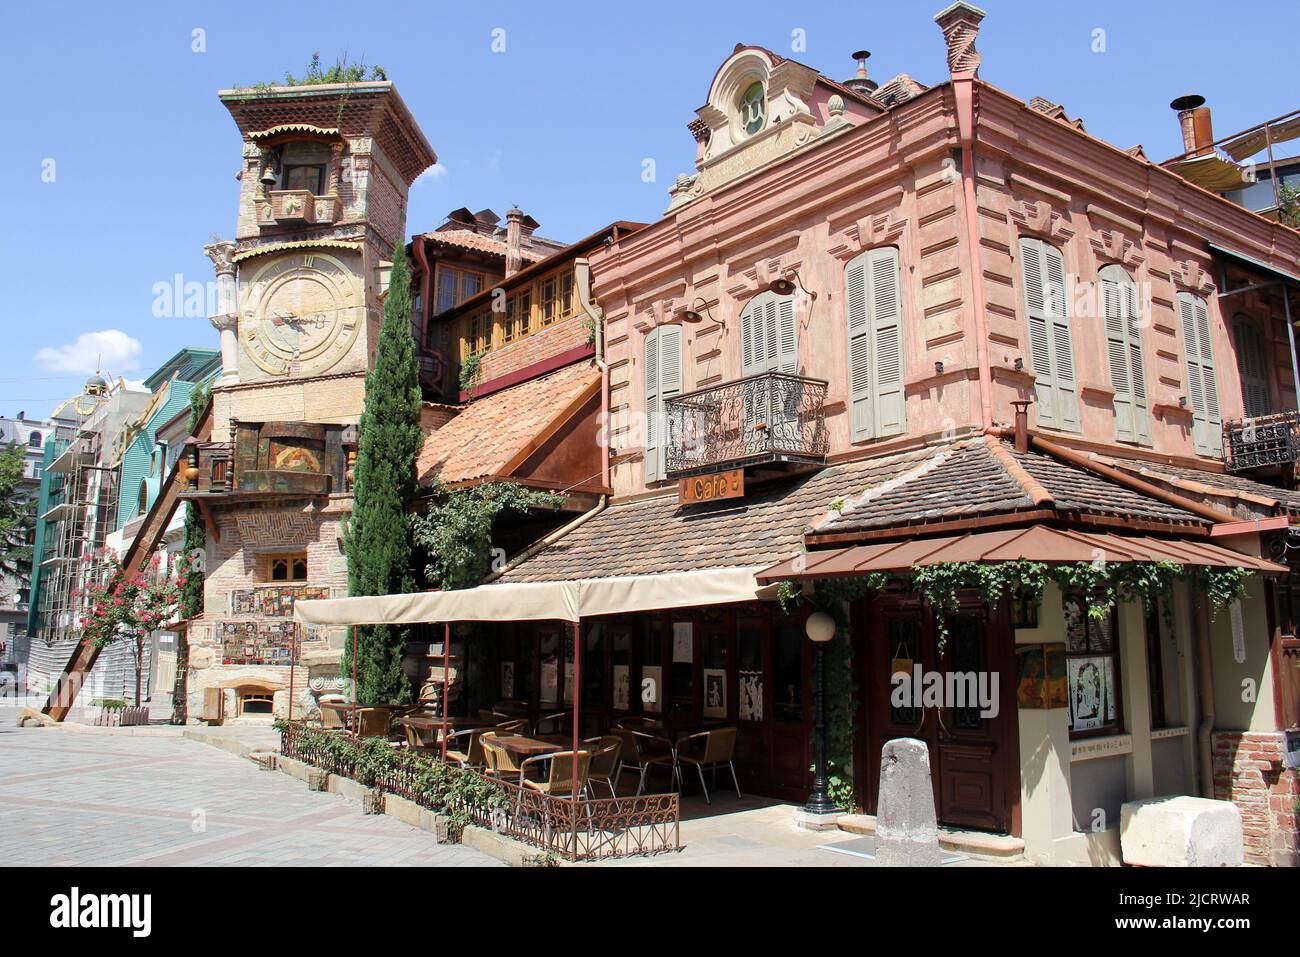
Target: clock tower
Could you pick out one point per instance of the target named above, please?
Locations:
(322, 203)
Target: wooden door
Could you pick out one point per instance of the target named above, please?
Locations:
(974, 758)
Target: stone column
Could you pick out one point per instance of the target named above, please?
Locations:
(226, 320)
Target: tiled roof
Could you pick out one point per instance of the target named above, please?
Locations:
(478, 242)
(656, 535)
(1236, 486)
(482, 439)
(970, 477)
(1077, 489)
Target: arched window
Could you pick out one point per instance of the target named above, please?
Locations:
(35, 440)
(873, 310)
(1119, 301)
(1202, 384)
(1051, 352)
(1252, 366)
(142, 499)
(753, 104)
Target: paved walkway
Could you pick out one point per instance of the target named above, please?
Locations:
(78, 798)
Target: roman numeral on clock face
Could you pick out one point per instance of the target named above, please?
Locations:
(308, 259)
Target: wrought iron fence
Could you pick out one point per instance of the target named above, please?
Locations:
(584, 829)
(1263, 440)
(772, 416)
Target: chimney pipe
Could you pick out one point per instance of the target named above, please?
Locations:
(860, 81)
(514, 240)
(1194, 120)
(1022, 424)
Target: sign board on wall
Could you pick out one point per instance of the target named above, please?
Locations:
(706, 488)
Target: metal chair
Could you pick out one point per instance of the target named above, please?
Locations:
(552, 723)
(472, 754)
(605, 753)
(640, 751)
(711, 750)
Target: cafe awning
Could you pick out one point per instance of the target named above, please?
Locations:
(1037, 543)
(542, 601)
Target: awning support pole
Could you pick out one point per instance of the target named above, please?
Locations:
(356, 698)
(293, 659)
(577, 697)
(446, 670)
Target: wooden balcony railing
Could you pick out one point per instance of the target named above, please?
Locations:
(1261, 441)
(768, 417)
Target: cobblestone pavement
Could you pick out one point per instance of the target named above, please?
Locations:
(69, 798)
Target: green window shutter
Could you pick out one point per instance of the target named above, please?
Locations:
(652, 409)
(887, 343)
(861, 413)
(663, 380)
(1202, 384)
(769, 341)
(875, 331)
(1124, 355)
(1252, 367)
(1051, 351)
(787, 341)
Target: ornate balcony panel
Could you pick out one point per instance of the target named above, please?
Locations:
(760, 419)
(1264, 440)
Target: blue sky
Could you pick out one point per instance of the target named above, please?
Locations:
(144, 155)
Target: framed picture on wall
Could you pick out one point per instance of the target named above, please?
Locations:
(715, 693)
(622, 688)
(751, 696)
(651, 685)
(1091, 685)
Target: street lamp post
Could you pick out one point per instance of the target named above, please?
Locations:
(821, 629)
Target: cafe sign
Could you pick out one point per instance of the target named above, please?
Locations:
(706, 488)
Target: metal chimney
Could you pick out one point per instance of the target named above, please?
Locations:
(1194, 119)
(860, 81)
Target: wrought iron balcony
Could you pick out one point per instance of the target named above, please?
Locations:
(765, 418)
(1264, 440)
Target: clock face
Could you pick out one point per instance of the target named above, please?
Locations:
(301, 314)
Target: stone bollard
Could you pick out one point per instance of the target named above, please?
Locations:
(1181, 831)
(907, 831)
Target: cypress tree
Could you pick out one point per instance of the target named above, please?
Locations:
(377, 540)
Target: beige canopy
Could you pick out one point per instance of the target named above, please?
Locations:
(542, 601)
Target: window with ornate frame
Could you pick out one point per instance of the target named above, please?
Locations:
(1092, 669)
(752, 106)
(286, 568)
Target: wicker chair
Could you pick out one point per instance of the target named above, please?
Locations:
(468, 752)
(498, 761)
(605, 752)
(640, 751)
(711, 750)
(416, 742)
(332, 717)
(559, 779)
(373, 722)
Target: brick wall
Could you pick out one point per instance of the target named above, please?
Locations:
(1248, 771)
(551, 341)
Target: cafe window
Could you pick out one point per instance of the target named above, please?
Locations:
(652, 672)
(787, 671)
(454, 287)
(620, 651)
(683, 664)
(287, 568)
(713, 658)
(1091, 668)
(1155, 665)
(308, 177)
(750, 628)
(593, 666)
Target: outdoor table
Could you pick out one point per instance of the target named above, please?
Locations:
(525, 747)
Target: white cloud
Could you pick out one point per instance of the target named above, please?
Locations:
(111, 350)
(433, 174)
